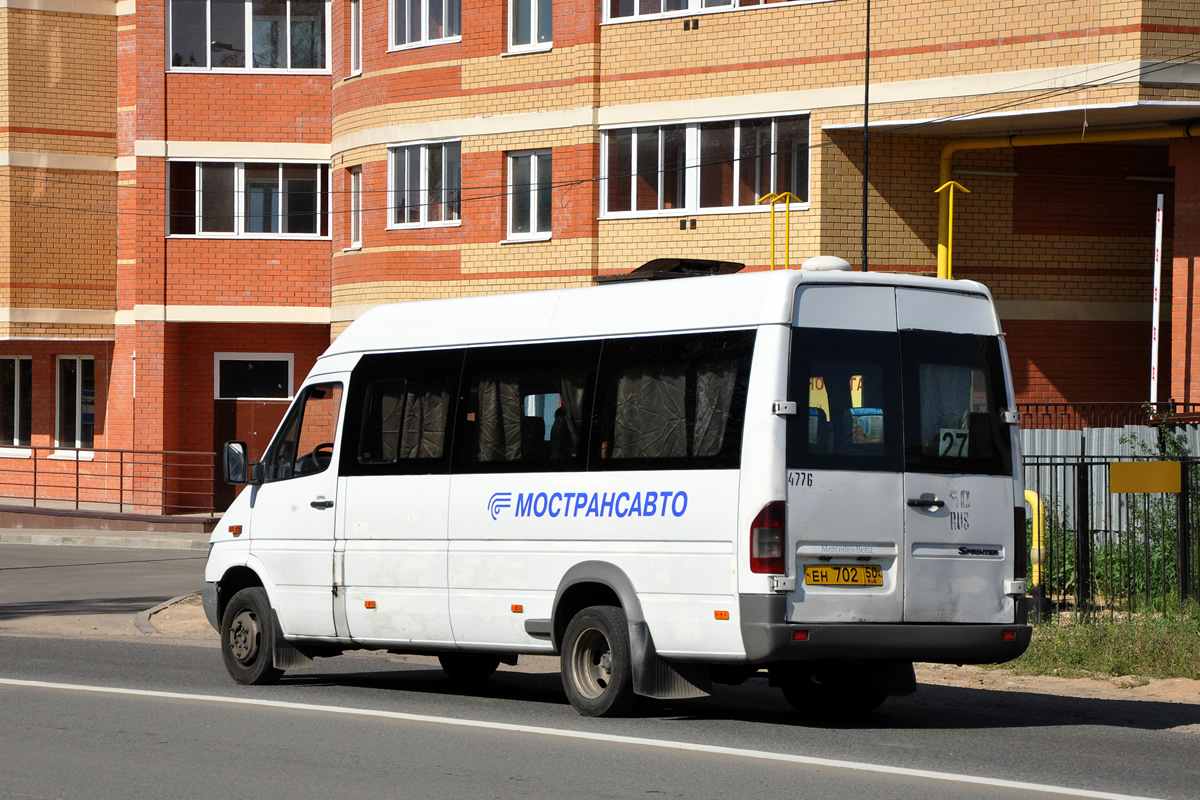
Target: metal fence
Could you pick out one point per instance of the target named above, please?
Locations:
(1092, 551)
(122, 481)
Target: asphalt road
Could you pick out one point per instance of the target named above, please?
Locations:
(125, 718)
(59, 581)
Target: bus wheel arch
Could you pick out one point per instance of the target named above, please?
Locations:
(593, 583)
(233, 581)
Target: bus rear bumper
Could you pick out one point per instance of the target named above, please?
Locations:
(766, 640)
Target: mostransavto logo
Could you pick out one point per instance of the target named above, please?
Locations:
(589, 504)
(499, 502)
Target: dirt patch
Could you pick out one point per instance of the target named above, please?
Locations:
(1127, 687)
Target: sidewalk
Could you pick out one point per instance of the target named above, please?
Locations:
(161, 540)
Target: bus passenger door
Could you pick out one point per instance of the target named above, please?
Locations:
(294, 510)
(396, 473)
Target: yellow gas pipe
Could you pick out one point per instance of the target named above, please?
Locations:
(1033, 140)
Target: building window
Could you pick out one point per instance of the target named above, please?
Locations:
(16, 401)
(529, 195)
(419, 22)
(252, 376)
(688, 167)
(242, 199)
(355, 37)
(76, 417)
(530, 25)
(424, 184)
(356, 207)
(248, 34)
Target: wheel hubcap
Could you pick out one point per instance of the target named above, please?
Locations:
(592, 662)
(244, 636)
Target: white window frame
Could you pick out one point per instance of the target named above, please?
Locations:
(691, 205)
(424, 40)
(78, 443)
(240, 217)
(534, 167)
(9, 446)
(393, 191)
(533, 46)
(355, 177)
(248, 36)
(356, 67)
(693, 7)
(290, 358)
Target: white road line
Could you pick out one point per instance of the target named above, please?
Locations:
(664, 744)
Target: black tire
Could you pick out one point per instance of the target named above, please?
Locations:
(828, 693)
(468, 667)
(248, 638)
(597, 673)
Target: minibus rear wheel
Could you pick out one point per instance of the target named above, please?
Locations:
(248, 638)
(468, 667)
(829, 691)
(597, 673)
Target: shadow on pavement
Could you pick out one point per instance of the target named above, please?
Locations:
(75, 607)
(933, 707)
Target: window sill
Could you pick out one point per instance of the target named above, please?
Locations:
(72, 455)
(694, 12)
(352, 248)
(417, 226)
(16, 452)
(541, 237)
(700, 212)
(524, 50)
(256, 72)
(289, 237)
(396, 48)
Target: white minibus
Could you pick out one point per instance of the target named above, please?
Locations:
(666, 483)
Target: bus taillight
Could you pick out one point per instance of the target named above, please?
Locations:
(768, 539)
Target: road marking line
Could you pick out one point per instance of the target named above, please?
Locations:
(665, 744)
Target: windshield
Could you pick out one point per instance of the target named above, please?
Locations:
(921, 401)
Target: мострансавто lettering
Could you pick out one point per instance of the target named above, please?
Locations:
(601, 504)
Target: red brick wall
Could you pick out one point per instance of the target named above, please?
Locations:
(190, 415)
(1185, 293)
(1082, 362)
(1084, 190)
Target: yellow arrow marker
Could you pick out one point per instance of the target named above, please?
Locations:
(951, 185)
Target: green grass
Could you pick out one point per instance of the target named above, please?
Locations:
(1146, 647)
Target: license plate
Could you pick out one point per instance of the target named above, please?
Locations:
(843, 575)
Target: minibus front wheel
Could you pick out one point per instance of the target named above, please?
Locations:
(597, 672)
(247, 638)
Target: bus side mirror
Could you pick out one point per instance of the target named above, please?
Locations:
(236, 465)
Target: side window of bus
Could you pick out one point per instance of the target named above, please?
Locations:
(846, 385)
(525, 408)
(305, 443)
(672, 402)
(401, 407)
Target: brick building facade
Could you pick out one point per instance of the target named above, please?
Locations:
(199, 194)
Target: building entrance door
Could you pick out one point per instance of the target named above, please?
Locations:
(250, 421)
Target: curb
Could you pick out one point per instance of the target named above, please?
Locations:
(134, 540)
(142, 620)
